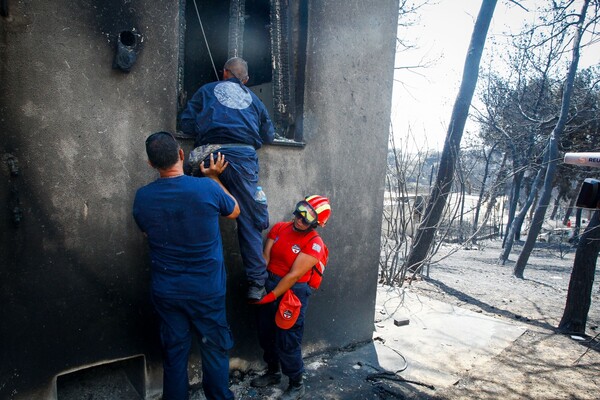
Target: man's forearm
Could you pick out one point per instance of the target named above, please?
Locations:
(216, 179)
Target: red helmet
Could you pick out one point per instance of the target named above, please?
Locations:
(321, 206)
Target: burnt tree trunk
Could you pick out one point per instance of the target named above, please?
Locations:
(517, 221)
(443, 185)
(540, 212)
(579, 296)
(462, 205)
(571, 204)
(488, 158)
(494, 193)
(514, 200)
(555, 209)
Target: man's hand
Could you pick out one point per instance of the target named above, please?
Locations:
(213, 171)
(215, 168)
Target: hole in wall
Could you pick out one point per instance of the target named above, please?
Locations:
(127, 38)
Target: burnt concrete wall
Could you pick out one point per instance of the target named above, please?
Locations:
(347, 100)
(73, 266)
(74, 278)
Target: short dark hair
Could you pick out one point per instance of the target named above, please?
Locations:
(162, 149)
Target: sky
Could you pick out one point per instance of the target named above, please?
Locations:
(423, 99)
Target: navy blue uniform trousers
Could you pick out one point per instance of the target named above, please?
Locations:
(241, 179)
(207, 318)
(283, 346)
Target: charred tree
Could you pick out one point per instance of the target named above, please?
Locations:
(517, 222)
(540, 212)
(494, 193)
(443, 185)
(579, 296)
(487, 157)
(571, 205)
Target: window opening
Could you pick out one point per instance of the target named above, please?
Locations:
(269, 34)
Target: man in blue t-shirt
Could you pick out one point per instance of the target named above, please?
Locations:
(227, 116)
(179, 214)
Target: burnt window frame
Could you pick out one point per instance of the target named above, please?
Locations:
(288, 23)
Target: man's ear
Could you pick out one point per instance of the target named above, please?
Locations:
(181, 155)
(245, 80)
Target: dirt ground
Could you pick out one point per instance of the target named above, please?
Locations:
(541, 364)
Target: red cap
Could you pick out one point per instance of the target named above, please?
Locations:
(288, 311)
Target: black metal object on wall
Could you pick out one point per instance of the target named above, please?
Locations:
(128, 44)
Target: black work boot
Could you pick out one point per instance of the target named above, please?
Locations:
(255, 291)
(271, 377)
(295, 390)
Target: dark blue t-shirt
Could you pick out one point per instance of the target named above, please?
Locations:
(227, 112)
(180, 216)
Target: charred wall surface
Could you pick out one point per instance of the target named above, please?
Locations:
(74, 274)
(347, 96)
(73, 277)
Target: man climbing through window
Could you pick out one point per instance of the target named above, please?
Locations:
(228, 117)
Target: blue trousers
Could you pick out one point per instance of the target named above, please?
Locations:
(241, 179)
(283, 346)
(206, 317)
